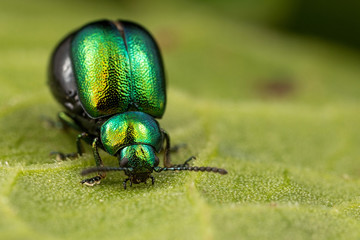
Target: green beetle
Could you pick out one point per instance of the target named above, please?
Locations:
(109, 77)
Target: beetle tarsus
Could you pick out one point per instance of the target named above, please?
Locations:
(79, 147)
(91, 181)
(186, 163)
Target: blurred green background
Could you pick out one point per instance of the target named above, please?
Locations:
(268, 90)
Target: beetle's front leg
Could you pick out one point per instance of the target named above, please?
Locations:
(167, 160)
(99, 163)
(168, 149)
(185, 164)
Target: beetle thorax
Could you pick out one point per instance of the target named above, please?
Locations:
(130, 128)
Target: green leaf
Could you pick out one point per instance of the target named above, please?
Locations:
(280, 113)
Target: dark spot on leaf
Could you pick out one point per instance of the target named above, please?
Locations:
(276, 88)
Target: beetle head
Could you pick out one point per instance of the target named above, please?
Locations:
(140, 161)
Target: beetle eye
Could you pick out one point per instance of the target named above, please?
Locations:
(124, 162)
(156, 161)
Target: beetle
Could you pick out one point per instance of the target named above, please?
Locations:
(109, 77)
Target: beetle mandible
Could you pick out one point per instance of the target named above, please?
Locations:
(109, 77)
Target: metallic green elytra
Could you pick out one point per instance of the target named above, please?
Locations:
(109, 77)
(128, 129)
(118, 68)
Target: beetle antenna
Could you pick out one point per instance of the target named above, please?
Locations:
(103, 169)
(196, 169)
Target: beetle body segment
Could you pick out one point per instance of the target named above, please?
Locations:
(130, 128)
(117, 67)
(102, 69)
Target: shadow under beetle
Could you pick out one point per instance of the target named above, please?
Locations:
(109, 77)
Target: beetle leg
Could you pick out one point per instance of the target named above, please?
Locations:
(98, 160)
(63, 156)
(125, 181)
(99, 163)
(79, 146)
(64, 122)
(168, 150)
(50, 123)
(152, 180)
(186, 163)
(167, 160)
(67, 121)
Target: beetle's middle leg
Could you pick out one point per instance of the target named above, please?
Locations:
(65, 122)
(168, 149)
(99, 163)
(82, 136)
